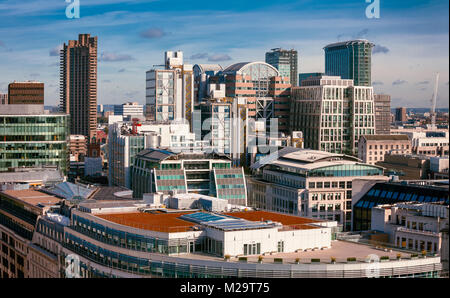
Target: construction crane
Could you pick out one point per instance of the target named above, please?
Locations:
(433, 102)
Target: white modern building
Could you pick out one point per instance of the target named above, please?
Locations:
(124, 144)
(170, 91)
(430, 142)
(308, 183)
(129, 109)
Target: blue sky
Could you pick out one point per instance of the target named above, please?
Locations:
(411, 36)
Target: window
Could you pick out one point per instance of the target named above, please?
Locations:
(280, 246)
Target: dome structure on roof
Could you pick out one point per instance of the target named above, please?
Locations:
(257, 70)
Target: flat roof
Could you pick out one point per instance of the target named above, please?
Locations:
(32, 197)
(156, 221)
(276, 217)
(172, 222)
(400, 137)
(341, 250)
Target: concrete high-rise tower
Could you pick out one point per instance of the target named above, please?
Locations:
(78, 84)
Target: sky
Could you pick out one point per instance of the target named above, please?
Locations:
(411, 38)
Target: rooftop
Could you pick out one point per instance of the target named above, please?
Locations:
(347, 43)
(341, 250)
(179, 221)
(401, 137)
(304, 159)
(276, 217)
(32, 197)
(156, 221)
(31, 175)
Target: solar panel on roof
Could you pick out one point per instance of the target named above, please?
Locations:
(202, 217)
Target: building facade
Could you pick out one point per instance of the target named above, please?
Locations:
(3, 98)
(77, 147)
(308, 75)
(350, 60)
(19, 213)
(26, 93)
(382, 114)
(429, 142)
(127, 239)
(406, 166)
(30, 138)
(400, 114)
(124, 144)
(170, 91)
(372, 148)
(308, 183)
(369, 194)
(209, 174)
(78, 85)
(413, 226)
(286, 61)
(129, 109)
(332, 113)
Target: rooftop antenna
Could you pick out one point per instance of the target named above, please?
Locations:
(433, 102)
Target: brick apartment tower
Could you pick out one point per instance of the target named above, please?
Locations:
(78, 85)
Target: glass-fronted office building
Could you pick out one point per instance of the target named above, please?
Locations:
(33, 140)
(350, 60)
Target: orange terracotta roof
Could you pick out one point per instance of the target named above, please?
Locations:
(159, 222)
(264, 215)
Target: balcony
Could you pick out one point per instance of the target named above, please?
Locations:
(418, 232)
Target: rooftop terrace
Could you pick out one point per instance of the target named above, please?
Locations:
(179, 221)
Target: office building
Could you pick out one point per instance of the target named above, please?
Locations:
(370, 194)
(164, 171)
(78, 85)
(400, 114)
(286, 61)
(170, 91)
(129, 109)
(382, 104)
(406, 166)
(126, 139)
(429, 142)
(130, 239)
(308, 183)
(439, 167)
(414, 226)
(30, 138)
(26, 93)
(204, 74)
(3, 98)
(332, 113)
(351, 60)
(308, 75)
(373, 148)
(265, 92)
(19, 213)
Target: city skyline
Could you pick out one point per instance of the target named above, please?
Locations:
(133, 35)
